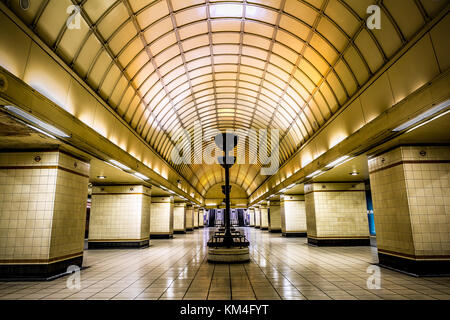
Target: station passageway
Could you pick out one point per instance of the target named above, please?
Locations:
(280, 268)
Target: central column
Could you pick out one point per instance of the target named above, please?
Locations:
(227, 247)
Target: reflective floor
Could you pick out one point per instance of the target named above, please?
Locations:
(280, 268)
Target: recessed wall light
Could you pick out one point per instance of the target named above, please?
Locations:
(101, 177)
(118, 164)
(338, 162)
(354, 173)
(315, 174)
(36, 122)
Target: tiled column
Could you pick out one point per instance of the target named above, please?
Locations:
(161, 217)
(201, 221)
(411, 200)
(293, 216)
(257, 217)
(120, 217)
(179, 217)
(43, 199)
(189, 217)
(264, 217)
(274, 215)
(336, 214)
(251, 213)
(196, 217)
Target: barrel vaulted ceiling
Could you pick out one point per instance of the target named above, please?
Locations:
(284, 64)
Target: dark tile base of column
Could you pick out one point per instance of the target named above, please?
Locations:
(189, 229)
(118, 244)
(161, 236)
(38, 272)
(415, 267)
(345, 242)
(275, 230)
(294, 234)
(201, 226)
(264, 228)
(179, 231)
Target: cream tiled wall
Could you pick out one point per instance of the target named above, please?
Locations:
(196, 217)
(336, 210)
(258, 217)
(201, 221)
(275, 216)
(43, 197)
(179, 216)
(251, 212)
(189, 217)
(161, 215)
(120, 213)
(410, 188)
(264, 217)
(293, 214)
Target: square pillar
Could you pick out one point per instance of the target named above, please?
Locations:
(189, 217)
(264, 217)
(196, 209)
(161, 217)
(43, 196)
(257, 217)
(410, 192)
(274, 216)
(336, 214)
(179, 217)
(293, 216)
(251, 213)
(120, 217)
(201, 218)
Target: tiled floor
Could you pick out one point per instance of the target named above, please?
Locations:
(281, 268)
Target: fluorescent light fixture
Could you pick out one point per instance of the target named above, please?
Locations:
(291, 186)
(315, 174)
(337, 162)
(428, 121)
(32, 119)
(41, 131)
(140, 176)
(423, 116)
(118, 164)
